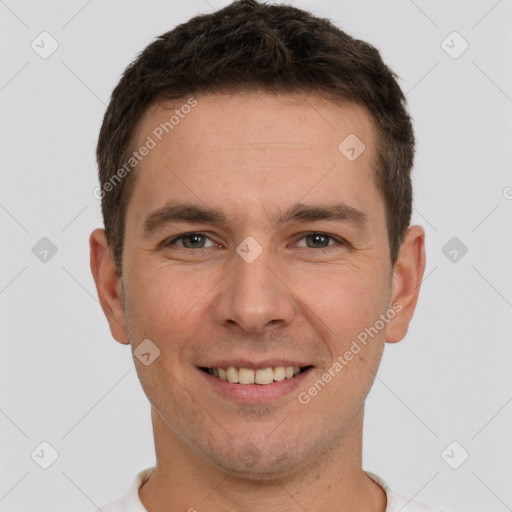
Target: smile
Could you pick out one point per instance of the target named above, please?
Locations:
(262, 376)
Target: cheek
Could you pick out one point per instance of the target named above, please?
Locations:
(347, 299)
(347, 311)
(160, 298)
(162, 306)
(165, 302)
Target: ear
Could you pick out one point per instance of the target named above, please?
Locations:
(108, 285)
(407, 276)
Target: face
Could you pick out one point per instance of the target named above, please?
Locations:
(253, 241)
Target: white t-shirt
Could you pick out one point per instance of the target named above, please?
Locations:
(131, 502)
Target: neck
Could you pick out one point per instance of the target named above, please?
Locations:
(334, 481)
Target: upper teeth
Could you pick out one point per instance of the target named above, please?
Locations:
(251, 376)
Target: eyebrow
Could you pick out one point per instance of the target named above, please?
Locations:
(194, 214)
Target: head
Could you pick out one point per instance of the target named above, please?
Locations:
(285, 144)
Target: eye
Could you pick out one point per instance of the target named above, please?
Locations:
(195, 240)
(191, 240)
(319, 241)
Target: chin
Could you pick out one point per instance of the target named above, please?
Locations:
(267, 470)
(274, 461)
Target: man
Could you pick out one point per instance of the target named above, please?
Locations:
(255, 183)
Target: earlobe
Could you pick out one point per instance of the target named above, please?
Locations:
(407, 277)
(108, 285)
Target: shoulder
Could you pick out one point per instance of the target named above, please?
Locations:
(398, 503)
(130, 502)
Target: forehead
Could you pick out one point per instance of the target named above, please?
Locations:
(251, 148)
(252, 118)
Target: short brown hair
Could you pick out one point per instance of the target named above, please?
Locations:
(269, 48)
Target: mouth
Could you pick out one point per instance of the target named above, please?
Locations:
(250, 376)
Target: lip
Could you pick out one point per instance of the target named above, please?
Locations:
(254, 365)
(256, 393)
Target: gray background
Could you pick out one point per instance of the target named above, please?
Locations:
(64, 380)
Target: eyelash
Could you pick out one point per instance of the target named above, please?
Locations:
(339, 241)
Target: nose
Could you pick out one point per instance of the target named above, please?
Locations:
(255, 295)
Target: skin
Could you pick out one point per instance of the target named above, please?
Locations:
(254, 155)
